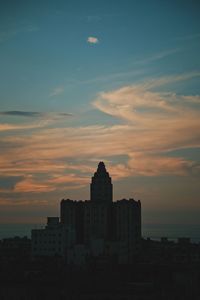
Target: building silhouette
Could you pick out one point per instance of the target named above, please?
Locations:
(95, 229)
(101, 189)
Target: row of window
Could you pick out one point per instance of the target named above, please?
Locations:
(46, 242)
(45, 234)
(47, 249)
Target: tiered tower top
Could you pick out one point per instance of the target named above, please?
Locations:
(101, 189)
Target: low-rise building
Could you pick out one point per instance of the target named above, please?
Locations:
(53, 240)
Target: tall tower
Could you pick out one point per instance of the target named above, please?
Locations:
(101, 189)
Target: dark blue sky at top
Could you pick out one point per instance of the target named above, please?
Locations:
(44, 44)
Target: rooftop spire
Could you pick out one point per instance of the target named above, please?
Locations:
(101, 167)
(101, 186)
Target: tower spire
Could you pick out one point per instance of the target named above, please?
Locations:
(101, 189)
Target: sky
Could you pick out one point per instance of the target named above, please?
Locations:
(89, 81)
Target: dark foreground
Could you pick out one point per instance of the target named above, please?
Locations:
(140, 281)
(161, 271)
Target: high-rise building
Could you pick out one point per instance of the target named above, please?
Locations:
(117, 224)
(99, 225)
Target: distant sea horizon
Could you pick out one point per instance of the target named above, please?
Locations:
(149, 230)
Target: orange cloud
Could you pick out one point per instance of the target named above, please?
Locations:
(149, 124)
(158, 165)
(30, 185)
(7, 127)
(69, 178)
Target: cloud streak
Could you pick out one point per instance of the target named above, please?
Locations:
(45, 119)
(57, 91)
(149, 124)
(15, 127)
(19, 113)
(10, 33)
(157, 56)
(32, 114)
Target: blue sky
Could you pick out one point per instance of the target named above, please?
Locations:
(83, 81)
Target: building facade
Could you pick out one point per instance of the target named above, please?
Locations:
(53, 240)
(95, 227)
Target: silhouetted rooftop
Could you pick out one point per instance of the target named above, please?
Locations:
(101, 167)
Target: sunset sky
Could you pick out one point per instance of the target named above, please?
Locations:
(89, 81)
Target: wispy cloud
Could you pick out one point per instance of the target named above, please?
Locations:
(94, 18)
(133, 103)
(13, 127)
(9, 33)
(157, 56)
(33, 114)
(92, 40)
(57, 91)
(33, 186)
(21, 113)
(119, 76)
(44, 119)
(189, 37)
(149, 125)
(57, 182)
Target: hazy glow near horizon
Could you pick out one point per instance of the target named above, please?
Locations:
(116, 81)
